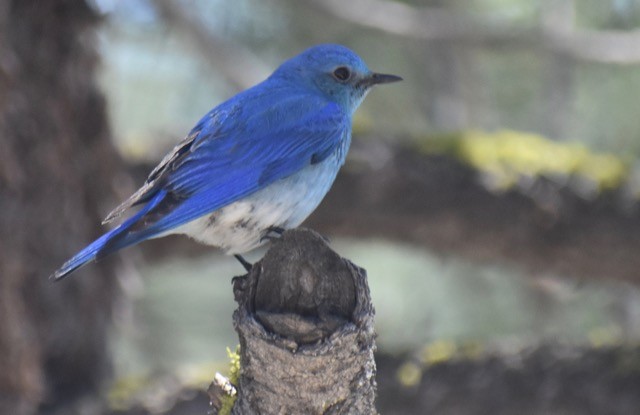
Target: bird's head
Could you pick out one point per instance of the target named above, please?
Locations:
(334, 71)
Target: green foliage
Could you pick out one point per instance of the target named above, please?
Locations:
(234, 365)
(509, 155)
(233, 376)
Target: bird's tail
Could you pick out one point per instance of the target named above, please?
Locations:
(114, 240)
(85, 256)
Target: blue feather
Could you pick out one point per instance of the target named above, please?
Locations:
(215, 176)
(111, 241)
(271, 151)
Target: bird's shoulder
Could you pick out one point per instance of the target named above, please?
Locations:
(270, 106)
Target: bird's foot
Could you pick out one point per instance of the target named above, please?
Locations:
(240, 286)
(273, 232)
(238, 280)
(246, 264)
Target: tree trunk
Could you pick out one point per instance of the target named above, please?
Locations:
(305, 322)
(56, 161)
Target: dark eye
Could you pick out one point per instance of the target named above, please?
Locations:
(342, 73)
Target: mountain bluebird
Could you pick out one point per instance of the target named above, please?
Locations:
(258, 163)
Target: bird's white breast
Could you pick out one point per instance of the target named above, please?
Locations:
(240, 226)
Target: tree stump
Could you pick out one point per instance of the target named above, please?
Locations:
(305, 322)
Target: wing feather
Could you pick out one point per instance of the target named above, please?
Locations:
(238, 148)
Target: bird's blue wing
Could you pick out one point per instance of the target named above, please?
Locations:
(234, 155)
(238, 148)
(220, 171)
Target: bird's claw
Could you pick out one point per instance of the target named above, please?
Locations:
(273, 232)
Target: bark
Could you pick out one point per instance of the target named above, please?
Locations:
(305, 323)
(537, 380)
(55, 161)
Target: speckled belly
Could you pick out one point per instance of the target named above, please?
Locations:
(240, 226)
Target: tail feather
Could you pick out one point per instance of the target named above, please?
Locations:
(85, 256)
(108, 243)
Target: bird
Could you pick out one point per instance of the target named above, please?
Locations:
(253, 166)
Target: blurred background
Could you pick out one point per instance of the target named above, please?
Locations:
(492, 198)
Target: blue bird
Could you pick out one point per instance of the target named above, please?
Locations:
(258, 163)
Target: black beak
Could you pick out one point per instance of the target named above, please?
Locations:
(378, 78)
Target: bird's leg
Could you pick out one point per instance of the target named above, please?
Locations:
(246, 264)
(273, 232)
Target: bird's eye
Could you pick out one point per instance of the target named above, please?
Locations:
(342, 73)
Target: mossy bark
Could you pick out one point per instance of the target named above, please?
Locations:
(305, 323)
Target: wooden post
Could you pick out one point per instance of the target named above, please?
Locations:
(305, 323)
